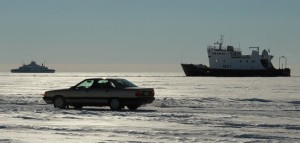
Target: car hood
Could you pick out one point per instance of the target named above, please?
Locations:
(58, 90)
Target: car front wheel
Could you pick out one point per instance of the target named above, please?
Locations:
(60, 103)
(115, 104)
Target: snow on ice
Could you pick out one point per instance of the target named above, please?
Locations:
(185, 110)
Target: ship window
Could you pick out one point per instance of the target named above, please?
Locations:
(247, 61)
(240, 61)
(227, 66)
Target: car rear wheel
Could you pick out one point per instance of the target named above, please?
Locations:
(59, 102)
(133, 107)
(115, 104)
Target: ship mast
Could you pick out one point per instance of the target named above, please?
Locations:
(220, 43)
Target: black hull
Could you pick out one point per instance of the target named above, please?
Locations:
(25, 71)
(199, 70)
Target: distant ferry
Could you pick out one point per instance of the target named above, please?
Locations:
(33, 68)
(229, 62)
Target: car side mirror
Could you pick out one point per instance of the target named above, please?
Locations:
(73, 87)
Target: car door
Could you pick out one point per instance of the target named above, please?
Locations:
(80, 93)
(100, 92)
(120, 90)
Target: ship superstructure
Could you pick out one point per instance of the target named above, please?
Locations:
(232, 58)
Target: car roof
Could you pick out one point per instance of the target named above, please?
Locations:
(103, 78)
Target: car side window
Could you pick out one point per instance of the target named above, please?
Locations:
(85, 84)
(102, 84)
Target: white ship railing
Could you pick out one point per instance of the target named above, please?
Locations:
(222, 48)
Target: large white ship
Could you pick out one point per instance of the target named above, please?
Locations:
(33, 67)
(229, 61)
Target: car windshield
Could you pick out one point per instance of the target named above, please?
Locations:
(122, 83)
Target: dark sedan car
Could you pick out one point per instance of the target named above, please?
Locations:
(115, 93)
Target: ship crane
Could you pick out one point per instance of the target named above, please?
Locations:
(285, 58)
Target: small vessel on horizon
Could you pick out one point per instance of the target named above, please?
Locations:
(229, 62)
(33, 67)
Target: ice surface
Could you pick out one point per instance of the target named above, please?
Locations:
(186, 109)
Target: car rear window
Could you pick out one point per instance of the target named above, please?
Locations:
(122, 83)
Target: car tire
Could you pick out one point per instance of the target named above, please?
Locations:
(78, 106)
(133, 107)
(115, 104)
(59, 102)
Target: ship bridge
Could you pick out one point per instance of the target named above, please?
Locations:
(228, 57)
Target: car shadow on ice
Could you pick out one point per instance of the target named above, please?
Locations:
(107, 109)
(251, 100)
(295, 102)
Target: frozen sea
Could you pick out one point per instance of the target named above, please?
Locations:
(186, 109)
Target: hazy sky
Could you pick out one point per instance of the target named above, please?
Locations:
(65, 33)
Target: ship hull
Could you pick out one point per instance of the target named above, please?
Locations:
(31, 71)
(197, 70)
